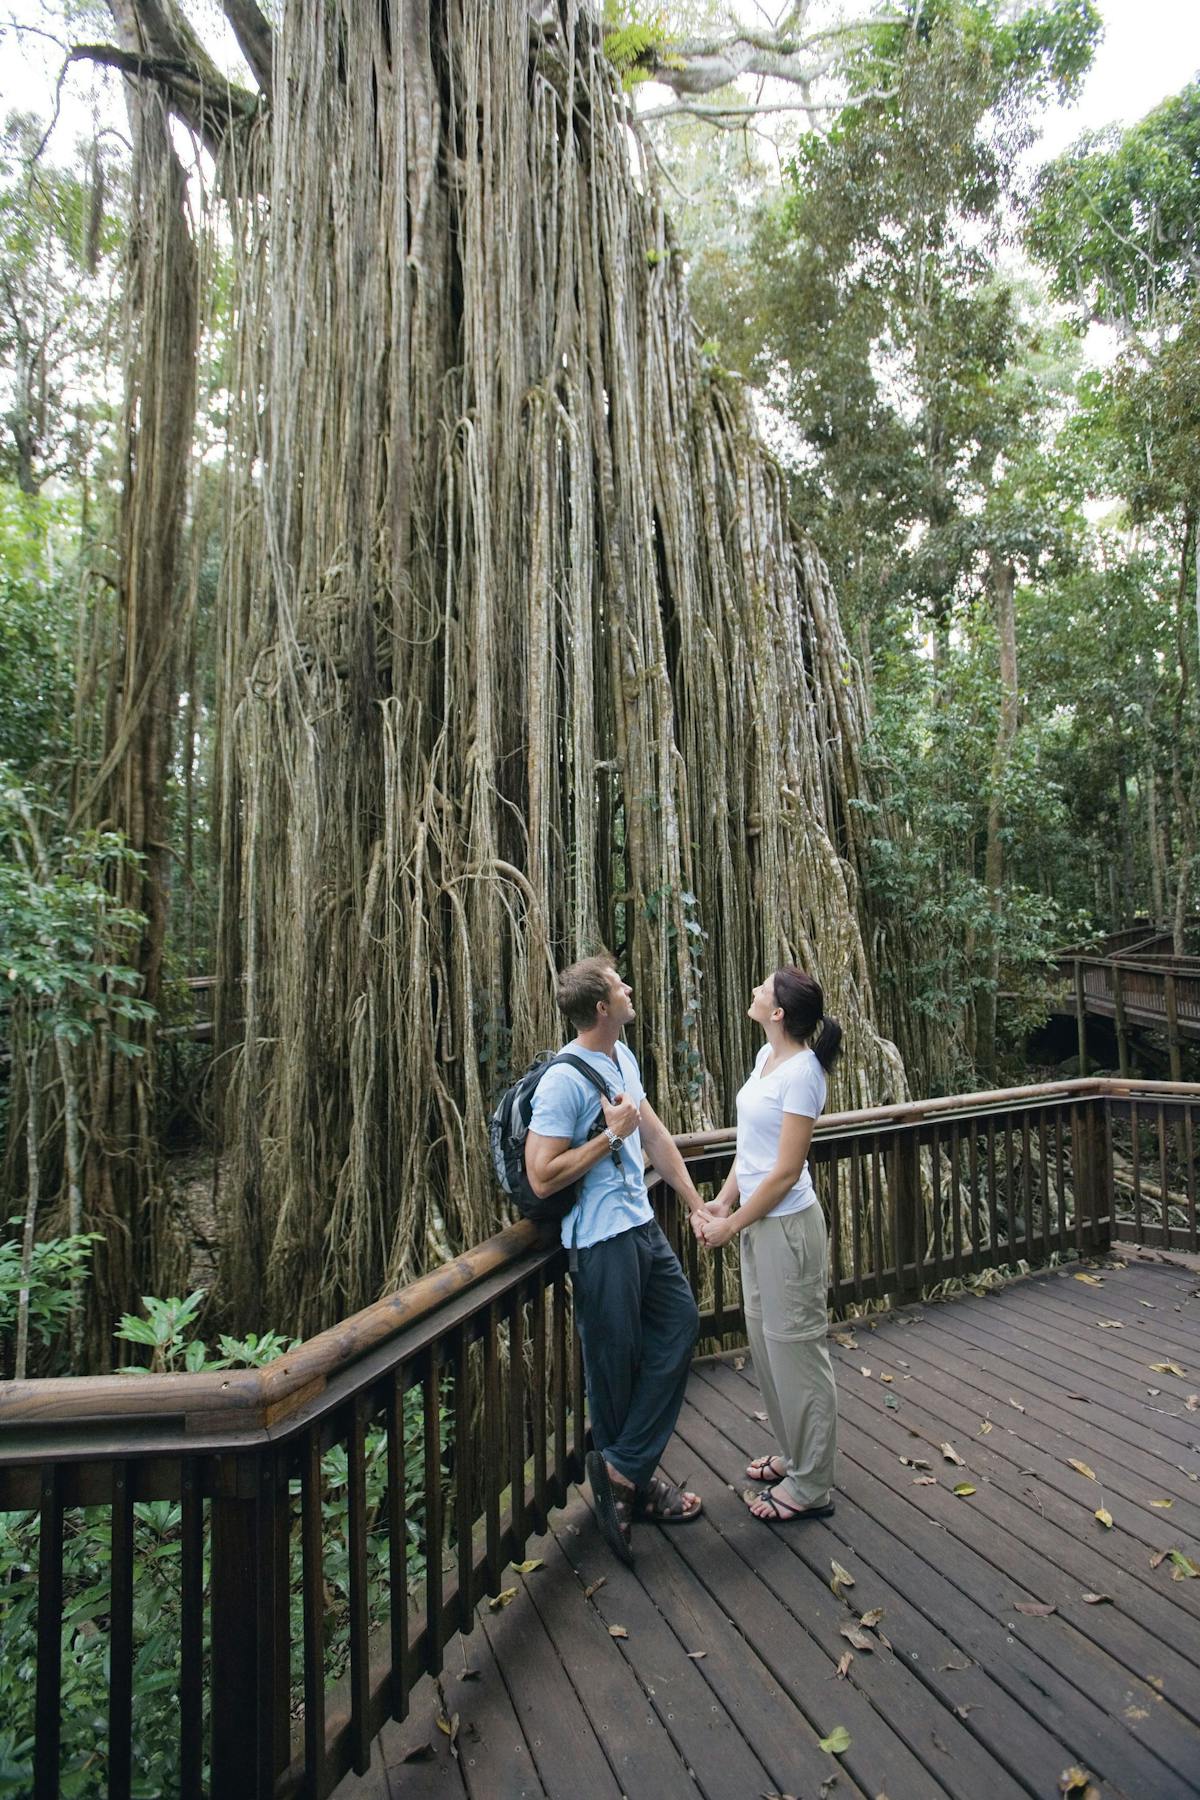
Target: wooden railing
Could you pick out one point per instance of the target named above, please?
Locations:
(427, 1438)
(1162, 992)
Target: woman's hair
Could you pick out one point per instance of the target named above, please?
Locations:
(803, 1006)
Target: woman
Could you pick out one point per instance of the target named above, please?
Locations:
(768, 1198)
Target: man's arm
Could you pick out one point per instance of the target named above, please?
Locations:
(663, 1152)
(553, 1163)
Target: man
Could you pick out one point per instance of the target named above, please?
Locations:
(636, 1315)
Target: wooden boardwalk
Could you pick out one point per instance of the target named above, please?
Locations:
(713, 1668)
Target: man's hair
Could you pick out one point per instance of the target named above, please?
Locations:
(583, 986)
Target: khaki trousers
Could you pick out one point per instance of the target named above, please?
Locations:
(784, 1286)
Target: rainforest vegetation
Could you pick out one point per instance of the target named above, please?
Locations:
(478, 482)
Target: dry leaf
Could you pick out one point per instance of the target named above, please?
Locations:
(1097, 1599)
(617, 1631)
(1168, 1368)
(1156, 1681)
(838, 1741)
(739, 1363)
(527, 1568)
(504, 1598)
(1193, 1403)
(1149, 1305)
(985, 1427)
(1160, 1556)
(1154, 1392)
(594, 1587)
(887, 1378)
(951, 1455)
(449, 1726)
(914, 1462)
(1015, 1403)
(762, 1418)
(697, 1655)
(963, 1488)
(847, 1343)
(1105, 1517)
(865, 1371)
(1092, 1280)
(1076, 1781)
(925, 1481)
(844, 1662)
(1111, 1324)
(871, 1617)
(1135, 1714)
(840, 1575)
(858, 1638)
(1081, 1468)
(1163, 1505)
(1036, 1609)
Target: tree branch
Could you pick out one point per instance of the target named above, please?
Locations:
(206, 106)
(255, 39)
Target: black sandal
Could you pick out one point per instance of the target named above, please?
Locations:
(613, 1510)
(660, 1502)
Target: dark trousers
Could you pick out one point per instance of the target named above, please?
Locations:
(637, 1322)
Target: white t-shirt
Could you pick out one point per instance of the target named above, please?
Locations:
(796, 1085)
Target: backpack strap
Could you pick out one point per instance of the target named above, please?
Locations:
(585, 1068)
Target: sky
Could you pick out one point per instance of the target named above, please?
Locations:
(1150, 49)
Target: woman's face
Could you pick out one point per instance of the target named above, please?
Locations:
(762, 1002)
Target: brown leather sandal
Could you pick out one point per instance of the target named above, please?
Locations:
(660, 1502)
(614, 1506)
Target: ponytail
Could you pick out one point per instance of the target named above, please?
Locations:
(802, 1003)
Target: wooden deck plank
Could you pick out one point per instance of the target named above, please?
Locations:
(991, 1571)
(965, 1657)
(973, 1698)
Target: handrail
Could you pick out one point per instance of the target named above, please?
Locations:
(234, 1402)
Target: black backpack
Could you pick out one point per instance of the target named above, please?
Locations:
(510, 1127)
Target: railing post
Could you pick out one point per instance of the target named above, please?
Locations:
(904, 1185)
(1174, 1048)
(1080, 1017)
(249, 1663)
(1119, 1018)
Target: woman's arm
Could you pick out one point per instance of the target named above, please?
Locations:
(795, 1136)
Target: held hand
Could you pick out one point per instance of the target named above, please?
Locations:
(717, 1231)
(697, 1219)
(620, 1115)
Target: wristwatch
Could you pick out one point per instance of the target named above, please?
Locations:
(614, 1142)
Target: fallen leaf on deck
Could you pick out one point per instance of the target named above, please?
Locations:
(697, 1655)
(887, 1378)
(925, 1481)
(891, 1402)
(963, 1488)
(503, 1598)
(858, 1638)
(594, 1587)
(1084, 1397)
(1092, 1280)
(1036, 1609)
(527, 1568)
(838, 1741)
(841, 1578)
(1015, 1403)
(1163, 1505)
(871, 1617)
(964, 1711)
(739, 1363)
(1168, 1368)
(1156, 1681)
(617, 1631)
(449, 1726)
(1082, 1468)
(1160, 1556)
(985, 1427)
(1135, 1714)
(847, 1343)
(951, 1455)
(1097, 1599)
(914, 1462)
(844, 1662)
(1076, 1781)
(761, 1417)
(1105, 1517)
(866, 1372)
(1111, 1324)
(1185, 1569)
(1154, 1392)
(1193, 1403)
(1148, 1304)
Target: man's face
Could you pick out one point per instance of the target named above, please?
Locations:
(620, 999)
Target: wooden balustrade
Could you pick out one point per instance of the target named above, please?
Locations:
(380, 1478)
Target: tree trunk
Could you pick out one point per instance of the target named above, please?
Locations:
(70, 1080)
(32, 1201)
(1003, 582)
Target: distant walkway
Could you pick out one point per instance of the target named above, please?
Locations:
(1012, 1632)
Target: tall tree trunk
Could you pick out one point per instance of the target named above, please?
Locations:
(32, 1201)
(1003, 582)
(1125, 831)
(1185, 807)
(129, 790)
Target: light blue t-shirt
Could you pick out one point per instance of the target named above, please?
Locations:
(565, 1105)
